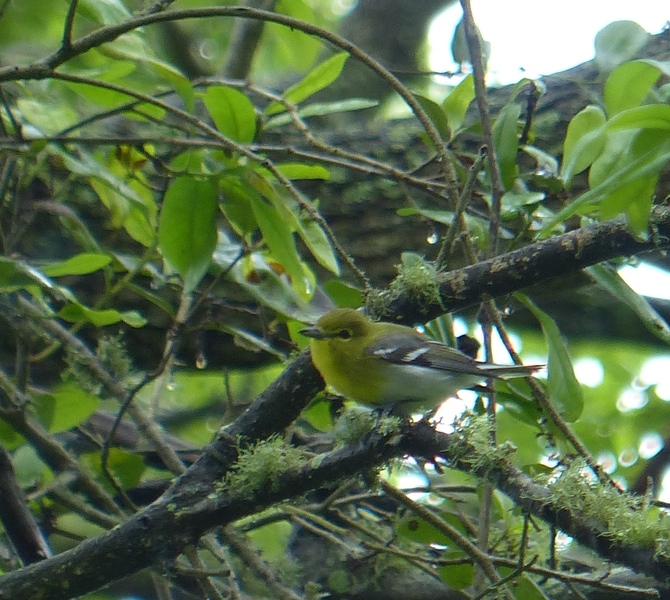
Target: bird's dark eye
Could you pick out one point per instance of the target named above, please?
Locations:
(345, 334)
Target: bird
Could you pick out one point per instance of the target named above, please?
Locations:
(379, 364)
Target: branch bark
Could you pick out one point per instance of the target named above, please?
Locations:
(183, 514)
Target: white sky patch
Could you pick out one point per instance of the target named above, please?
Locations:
(647, 280)
(522, 45)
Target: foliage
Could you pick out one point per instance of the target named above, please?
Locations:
(175, 224)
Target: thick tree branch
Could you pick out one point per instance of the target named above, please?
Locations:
(180, 517)
(532, 264)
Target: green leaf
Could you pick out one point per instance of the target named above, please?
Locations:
(584, 141)
(321, 109)
(319, 415)
(617, 43)
(128, 198)
(105, 12)
(81, 264)
(187, 228)
(436, 114)
(303, 171)
(318, 243)
(232, 112)
(284, 46)
(127, 466)
(279, 238)
(316, 80)
(564, 389)
(272, 539)
(68, 406)
(506, 142)
(511, 202)
(614, 156)
(524, 587)
(343, 294)
(546, 164)
(256, 274)
(48, 116)
(634, 199)
(457, 577)
(650, 116)
(236, 205)
(16, 275)
(422, 532)
(76, 313)
(609, 279)
(628, 85)
(456, 104)
(647, 164)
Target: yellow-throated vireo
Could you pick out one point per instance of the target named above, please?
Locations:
(384, 363)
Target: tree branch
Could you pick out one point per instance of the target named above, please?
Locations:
(183, 515)
(530, 265)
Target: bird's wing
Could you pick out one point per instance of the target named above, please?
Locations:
(405, 350)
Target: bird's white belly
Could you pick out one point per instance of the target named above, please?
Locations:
(424, 386)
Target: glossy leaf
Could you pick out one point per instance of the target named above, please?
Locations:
(129, 199)
(319, 245)
(618, 42)
(457, 577)
(436, 114)
(634, 199)
(456, 104)
(513, 201)
(628, 85)
(266, 283)
(321, 109)
(279, 238)
(584, 141)
(614, 156)
(650, 116)
(105, 12)
(236, 205)
(565, 392)
(76, 313)
(66, 407)
(232, 112)
(81, 264)
(643, 166)
(506, 142)
(126, 466)
(303, 171)
(16, 275)
(187, 228)
(524, 586)
(319, 78)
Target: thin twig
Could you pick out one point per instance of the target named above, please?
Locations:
(474, 41)
(458, 222)
(66, 42)
(251, 558)
(44, 68)
(480, 558)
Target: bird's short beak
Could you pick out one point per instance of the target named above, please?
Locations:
(314, 332)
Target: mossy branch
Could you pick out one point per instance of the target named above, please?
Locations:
(183, 515)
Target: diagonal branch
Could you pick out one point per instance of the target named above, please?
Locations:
(561, 255)
(180, 517)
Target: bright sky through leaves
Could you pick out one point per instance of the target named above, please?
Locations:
(533, 37)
